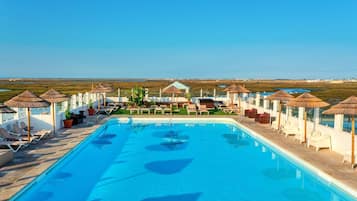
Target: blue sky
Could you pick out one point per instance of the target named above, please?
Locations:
(178, 38)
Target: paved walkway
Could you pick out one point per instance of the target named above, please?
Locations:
(30, 162)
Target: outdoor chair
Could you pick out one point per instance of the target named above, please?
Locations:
(191, 108)
(14, 146)
(5, 135)
(319, 140)
(203, 109)
(36, 134)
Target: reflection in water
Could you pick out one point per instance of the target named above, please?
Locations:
(168, 166)
(235, 140)
(182, 197)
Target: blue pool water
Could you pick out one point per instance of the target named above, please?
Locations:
(177, 161)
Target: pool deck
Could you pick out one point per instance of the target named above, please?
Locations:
(33, 160)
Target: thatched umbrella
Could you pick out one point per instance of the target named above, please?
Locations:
(347, 107)
(52, 96)
(5, 109)
(306, 100)
(100, 88)
(280, 96)
(236, 89)
(27, 100)
(172, 90)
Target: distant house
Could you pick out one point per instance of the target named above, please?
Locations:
(179, 85)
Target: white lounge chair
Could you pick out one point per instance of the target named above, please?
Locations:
(36, 134)
(14, 146)
(5, 135)
(299, 136)
(319, 140)
(191, 108)
(203, 109)
(274, 125)
(289, 129)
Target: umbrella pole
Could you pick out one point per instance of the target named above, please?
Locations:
(53, 118)
(28, 125)
(353, 141)
(279, 107)
(305, 117)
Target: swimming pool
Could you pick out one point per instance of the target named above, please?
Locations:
(177, 160)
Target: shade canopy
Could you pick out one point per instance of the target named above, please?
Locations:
(100, 88)
(307, 100)
(236, 89)
(281, 96)
(26, 100)
(54, 96)
(5, 109)
(172, 90)
(348, 107)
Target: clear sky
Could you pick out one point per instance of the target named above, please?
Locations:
(178, 38)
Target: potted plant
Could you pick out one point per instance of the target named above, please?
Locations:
(91, 110)
(67, 123)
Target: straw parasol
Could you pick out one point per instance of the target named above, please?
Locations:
(5, 109)
(52, 96)
(347, 107)
(306, 100)
(100, 88)
(27, 100)
(172, 90)
(281, 96)
(236, 89)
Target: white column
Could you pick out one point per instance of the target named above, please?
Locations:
(214, 93)
(244, 101)
(275, 108)
(80, 99)
(301, 118)
(73, 102)
(228, 98)
(17, 114)
(316, 117)
(257, 99)
(201, 93)
(338, 122)
(288, 113)
(1, 118)
(265, 104)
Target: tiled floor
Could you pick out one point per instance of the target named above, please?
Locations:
(33, 160)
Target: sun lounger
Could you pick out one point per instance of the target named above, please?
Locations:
(319, 140)
(166, 109)
(36, 135)
(105, 110)
(274, 125)
(191, 108)
(145, 110)
(289, 129)
(5, 135)
(14, 146)
(157, 109)
(203, 109)
(134, 109)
